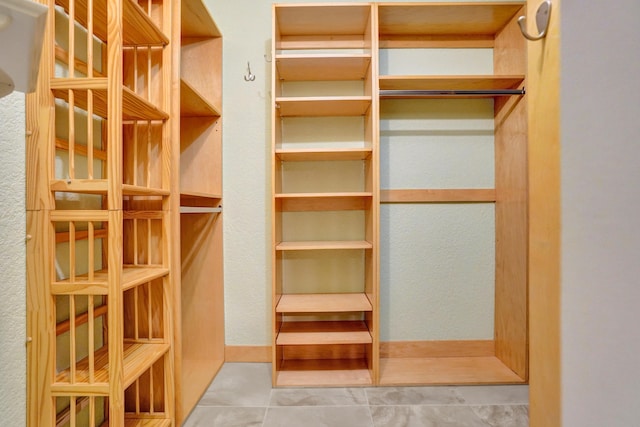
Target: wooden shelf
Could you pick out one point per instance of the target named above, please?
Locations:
(311, 155)
(134, 107)
(313, 20)
(323, 245)
(453, 195)
(450, 82)
(323, 303)
(197, 199)
(296, 202)
(322, 333)
(138, 28)
(457, 19)
(322, 67)
(196, 20)
(131, 277)
(138, 358)
(325, 372)
(445, 371)
(323, 106)
(193, 104)
(101, 186)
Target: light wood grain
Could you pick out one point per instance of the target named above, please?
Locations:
(489, 82)
(322, 245)
(80, 149)
(304, 155)
(193, 104)
(247, 353)
(323, 106)
(196, 20)
(545, 292)
(322, 67)
(426, 349)
(475, 195)
(323, 303)
(323, 201)
(445, 371)
(204, 76)
(313, 20)
(337, 372)
(201, 156)
(322, 333)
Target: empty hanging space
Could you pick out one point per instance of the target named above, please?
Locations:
(453, 221)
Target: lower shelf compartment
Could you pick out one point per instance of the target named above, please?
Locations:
(324, 372)
(446, 371)
(310, 333)
(142, 422)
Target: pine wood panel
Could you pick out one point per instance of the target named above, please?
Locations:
(426, 349)
(205, 76)
(305, 333)
(192, 104)
(309, 155)
(444, 19)
(323, 303)
(335, 372)
(322, 245)
(248, 353)
(196, 20)
(446, 371)
(147, 422)
(323, 106)
(323, 201)
(322, 67)
(201, 156)
(322, 20)
(480, 195)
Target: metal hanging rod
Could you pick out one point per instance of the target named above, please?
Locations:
(197, 210)
(427, 93)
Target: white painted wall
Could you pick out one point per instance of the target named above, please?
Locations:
(600, 129)
(12, 261)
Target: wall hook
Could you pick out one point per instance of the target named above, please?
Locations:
(268, 59)
(543, 16)
(249, 77)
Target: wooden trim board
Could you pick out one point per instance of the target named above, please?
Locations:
(247, 353)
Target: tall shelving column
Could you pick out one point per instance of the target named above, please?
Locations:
(200, 296)
(100, 313)
(469, 26)
(324, 195)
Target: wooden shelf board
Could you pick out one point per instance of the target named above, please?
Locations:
(137, 359)
(193, 104)
(316, 373)
(322, 67)
(138, 28)
(323, 303)
(196, 20)
(297, 202)
(446, 371)
(136, 190)
(312, 333)
(134, 107)
(323, 106)
(445, 19)
(454, 195)
(199, 199)
(450, 82)
(323, 245)
(301, 20)
(131, 277)
(101, 186)
(319, 155)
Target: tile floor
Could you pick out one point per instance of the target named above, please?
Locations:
(241, 396)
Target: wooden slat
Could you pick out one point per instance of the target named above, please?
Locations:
(131, 277)
(446, 371)
(156, 215)
(336, 372)
(323, 303)
(323, 106)
(84, 186)
(147, 422)
(304, 155)
(78, 215)
(138, 29)
(468, 195)
(323, 201)
(323, 245)
(134, 190)
(321, 42)
(450, 82)
(322, 67)
(430, 41)
(306, 333)
(81, 319)
(79, 287)
(80, 149)
(81, 66)
(81, 235)
(445, 18)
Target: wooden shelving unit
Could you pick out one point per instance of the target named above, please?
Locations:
(99, 196)
(488, 25)
(200, 297)
(320, 51)
(327, 334)
(124, 130)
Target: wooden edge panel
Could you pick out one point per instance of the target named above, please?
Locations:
(470, 195)
(422, 349)
(248, 353)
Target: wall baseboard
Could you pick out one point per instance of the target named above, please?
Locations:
(388, 350)
(247, 353)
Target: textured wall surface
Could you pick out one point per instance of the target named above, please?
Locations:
(247, 139)
(12, 262)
